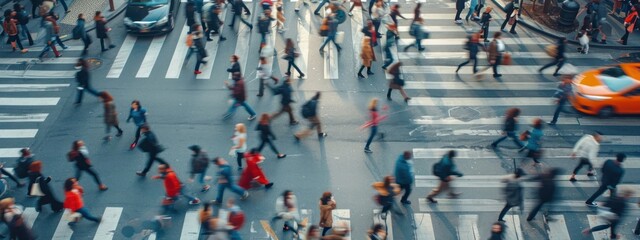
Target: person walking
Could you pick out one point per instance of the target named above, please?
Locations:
(612, 172)
(102, 31)
(559, 57)
(242, 6)
(235, 66)
(139, 116)
(253, 172)
(586, 150)
(201, 53)
(366, 57)
(327, 204)
(378, 12)
(459, 7)
(49, 37)
(629, 24)
(239, 147)
(373, 123)
(81, 32)
(264, 27)
(264, 72)
(473, 46)
(267, 136)
(418, 34)
(395, 13)
(214, 22)
(239, 95)
(21, 168)
(199, 165)
(190, 15)
(387, 190)
(12, 216)
(472, 8)
(285, 91)
(173, 187)
(291, 55)
(534, 141)
(547, 190)
(564, 90)
(73, 201)
(10, 26)
(152, 147)
(478, 10)
(310, 112)
(53, 18)
(396, 82)
(237, 7)
(287, 210)
(617, 205)
(354, 4)
(514, 193)
(405, 175)
(280, 17)
(110, 115)
(332, 23)
(79, 154)
(392, 37)
(370, 31)
(225, 180)
(47, 196)
(84, 80)
(496, 51)
(510, 128)
(485, 19)
(23, 19)
(377, 232)
(512, 12)
(444, 170)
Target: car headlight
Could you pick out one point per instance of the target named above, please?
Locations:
(163, 21)
(594, 97)
(127, 21)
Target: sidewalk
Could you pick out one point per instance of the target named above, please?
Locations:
(617, 30)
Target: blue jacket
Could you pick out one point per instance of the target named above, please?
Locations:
(224, 174)
(535, 139)
(139, 117)
(404, 171)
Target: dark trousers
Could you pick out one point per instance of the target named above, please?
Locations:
(137, 134)
(613, 224)
(325, 230)
(108, 129)
(88, 89)
(291, 63)
(239, 15)
(271, 145)
(372, 134)
(86, 40)
(511, 135)
(559, 107)
(24, 30)
(153, 156)
(506, 20)
(625, 37)
(557, 61)
(475, 64)
(91, 172)
(485, 32)
(535, 210)
(504, 211)
(583, 162)
(388, 57)
(49, 199)
(600, 191)
(102, 43)
(285, 108)
(407, 191)
(497, 63)
(239, 157)
(376, 26)
(4, 172)
(362, 68)
(64, 5)
(16, 38)
(458, 11)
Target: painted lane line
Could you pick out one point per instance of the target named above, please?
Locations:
(179, 54)
(71, 48)
(304, 29)
(356, 30)
(49, 74)
(212, 49)
(493, 205)
(482, 85)
(594, 220)
(32, 87)
(18, 133)
(461, 41)
(457, 29)
(29, 214)
(557, 229)
(63, 231)
(51, 101)
(424, 226)
(498, 18)
(562, 181)
(494, 102)
(515, 55)
(242, 46)
(468, 227)
(583, 121)
(342, 218)
(514, 229)
(377, 219)
(505, 70)
(191, 226)
(60, 60)
(151, 57)
(123, 55)
(331, 61)
(152, 236)
(10, 152)
(109, 223)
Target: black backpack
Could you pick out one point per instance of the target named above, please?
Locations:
(22, 168)
(308, 109)
(440, 170)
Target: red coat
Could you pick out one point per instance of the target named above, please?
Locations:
(253, 171)
(73, 200)
(172, 184)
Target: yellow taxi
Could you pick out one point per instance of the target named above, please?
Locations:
(608, 90)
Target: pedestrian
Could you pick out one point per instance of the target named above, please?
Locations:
(485, 19)
(629, 24)
(370, 31)
(190, 15)
(110, 115)
(12, 216)
(235, 65)
(239, 95)
(79, 154)
(152, 147)
(472, 8)
(238, 6)
(534, 141)
(459, 7)
(547, 190)
(201, 54)
(396, 82)
(478, 10)
(266, 135)
(49, 41)
(586, 150)
(583, 39)
(10, 26)
(366, 56)
(392, 37)
(417, 31)
(377, 232)
(81, 33)
(313, 233)
(354, 4)
(214, 22)
(416, 10)
(290, 55)
(497, 231)
(242, 6)
(199, 165)
(395, 13)
(102, 31)
(173, 187)
(496, 51)
(23, 19)
(264, 27)
(34, 6)
(373, 123)
(73, 201)
(253, 172)
(473, 46)
(617, 208)
(239, 147)
(287, 210)
(46, 7)
(332, 31)
(444, 170)
(378, 12)
(387, 190)
(285, 91)
(327, 204)
(514, 193)
(264, 72)
(280, 17)
(317, 11)
(510, 128)
(605, 29)
(53, 18)
(405, 175)
(46, 196)
(564, 90)
(559, 57)
(225, 180)
(139, 116)
(21, 168)
(612, 172)
(310, 112)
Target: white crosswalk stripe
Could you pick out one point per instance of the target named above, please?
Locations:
(468, 227)
(557, 228)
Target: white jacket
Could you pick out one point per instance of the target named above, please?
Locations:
(587, 147)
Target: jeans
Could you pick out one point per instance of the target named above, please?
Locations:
(511, 135)
(153, 156)
(472, 8)
(559, 62)
(506, 20)
(291, 63)
(236, 104)
(612, 224)
(559, 106)
(239, 157)
(407, 191)
(24, 31)
(332, 38)
(475, 64)
(388, 57)
(81, 92)
(59, 41)
(603, 188)
(317, 11)
(270, 142)
(232, 186)
(86, 214)
(458, 12)
(91, 172)
(372, 134)
(137, 134)
(583, 162)
(504, 211)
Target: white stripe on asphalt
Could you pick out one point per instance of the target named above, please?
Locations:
(495, 181)
(303, 44)
(342, 218)
(514, 229)
(557, 229)
(109, 223)
(387, 223)
(424, 226)
(63, 231)
(457, 102)
(481, 85)
(18, 133)
(330, 59)
(242, 46)
(151, 57)
(356, 30)
(594, 220)
(468, 227)
(460, 29)
(509, 69)
(121, 59)
(51, 101)
(10, 152)
(29, 214)
(23, 117)
(179, 54)
(191, 226)
(212, 49)
(448, 16)
(32, 87)
(491, 120)
(37, 74)
(60, 60)
(492, 205)
(461, 41)
(152, 236)
(514, 55)
(71, 48)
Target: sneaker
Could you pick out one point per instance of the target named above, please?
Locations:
(322, 135)
(431, 200)
(132, 146)
(572, 179)
(269, 185)
(205, 188)
(194, 201)
(103, 187)
(551, 123)
(252, 117)
(360, 75)
(350, 14)
(282, 155)
(112, 46)
(141, 174)
(591, 173)
(196, 72)
(245, 195)
(591, 204)
(367, 150)
(513, 32)
(214, 202)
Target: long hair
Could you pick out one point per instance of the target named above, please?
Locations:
(68, 184)
(394, 68)
(513, 112)
(373, 104)
(326, 196)
(264, 119)
(106, 96)
(75, 146)
(137, 103)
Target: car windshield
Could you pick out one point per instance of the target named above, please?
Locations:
(148, 2)
(616, 79)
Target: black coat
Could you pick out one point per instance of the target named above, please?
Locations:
(149, 143)
(460, 4)
(265, 132)
(49, 197)
(82, 77)
(235, 67)
(101, 29)
(611, 173)
(285, 90)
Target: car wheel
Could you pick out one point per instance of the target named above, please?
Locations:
(172, 24)
(606, 112)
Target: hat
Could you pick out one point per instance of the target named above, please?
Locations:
(195, 148)
(568, 69)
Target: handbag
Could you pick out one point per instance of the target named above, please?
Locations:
(512, 20)
(551, 50)
(506, 58)
(35, 189)
(524, 135)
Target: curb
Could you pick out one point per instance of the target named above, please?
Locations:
(554, 36)
(115, 13)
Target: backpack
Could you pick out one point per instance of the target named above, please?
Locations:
(22, 168)
(308, 109)
(236, 219)
(263, 25)
(76, 33)
(439, 169)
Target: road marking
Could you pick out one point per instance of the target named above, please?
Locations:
(356, 30)
(109, 223)
(557, 229)
(18, 133)
(492, 205)
(50, 74)
(377, 219)
(457, 29)
(242, 46)
(481, 85)
(190, 226)
(212, 49)
(468, 227)
(267, 228)
(36, 61)
(330, 59)
(63, 231)
(71, 48)
(594, 220)
(455, 101)
(518, 55)
(29, 214)
(506, 70)
(424, 226)
(514, 229)
(123, 55)
(491, 120)
(495, 181)
(32, 87)
(51, 101)
(10, 152)
(179, 54)
(342, 218)
(447, 16)
(151, 57)
(152, 236)
(461, 41)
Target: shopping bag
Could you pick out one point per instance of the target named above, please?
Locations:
(506, 58)
(35, 189)
(551, 50)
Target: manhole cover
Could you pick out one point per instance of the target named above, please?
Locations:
(94, 63)
(464, 114)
